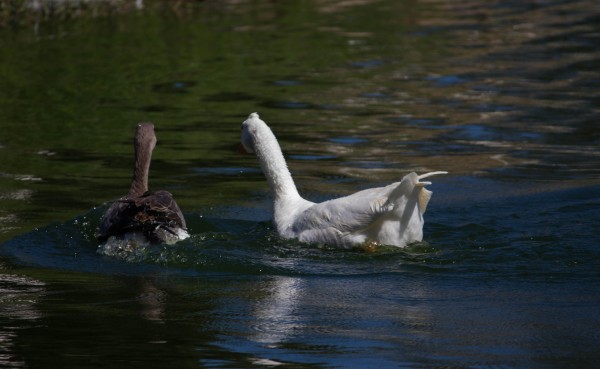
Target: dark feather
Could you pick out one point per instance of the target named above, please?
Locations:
(146, 214)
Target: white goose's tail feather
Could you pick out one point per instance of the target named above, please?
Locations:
(424, 194)
(421, 184)
(411, 186)
(431, 174)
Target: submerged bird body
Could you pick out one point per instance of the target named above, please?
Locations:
(154, 217)
(390, 215)
(146, 216)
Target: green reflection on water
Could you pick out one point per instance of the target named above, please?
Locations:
(72, 91)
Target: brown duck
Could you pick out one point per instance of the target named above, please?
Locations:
(153, 215)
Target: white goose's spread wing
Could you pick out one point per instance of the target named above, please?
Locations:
(346, 214)
(390, 215)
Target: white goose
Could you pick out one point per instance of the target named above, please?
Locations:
(390, 215)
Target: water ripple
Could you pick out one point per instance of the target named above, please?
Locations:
(495, 245)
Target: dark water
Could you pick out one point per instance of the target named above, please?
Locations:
(503, 95)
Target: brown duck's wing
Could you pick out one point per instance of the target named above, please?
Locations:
(118, 219)
(145, 214)
(160, 207)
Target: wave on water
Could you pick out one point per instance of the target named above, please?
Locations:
(215, 246)
(466, 240)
